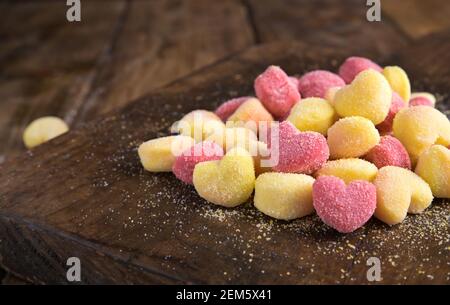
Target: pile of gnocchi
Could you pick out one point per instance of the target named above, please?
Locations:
(347, 146)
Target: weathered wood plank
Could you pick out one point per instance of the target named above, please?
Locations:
(418, 18)
(10, 279)
(337, 24)
(169, 228)
(47, 63)
(164, 40)
(42, 74)
(151, 228)
(2, 275)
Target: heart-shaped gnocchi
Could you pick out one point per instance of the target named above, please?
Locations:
(394, 199)
(344, 207)
(227, 182)
(298, 152)
(434, 167)
(250, 114)
(419, 127)
(399, 81)
(369, 95)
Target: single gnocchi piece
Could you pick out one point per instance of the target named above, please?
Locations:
(42, 130)
(198, 124)
(352, 137)
(295, 151)
(354, 65)
(226, 109)
(330, 94)
(294, 81)
(284, 195)
(313, 114)
(389, 151)
(228, 182)
(158, 155)
(422, 98)
(250, 114)
(399, 81)
(231, 137)
(276, 91)
(434, 167)
(344, 207)
(349, 170)
(396, 105)
(400, 191)
(316, 83)
(369, 95)
(420, 127)
(184, 165)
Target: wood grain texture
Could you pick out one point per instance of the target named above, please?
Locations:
(418, 18)
(2, 275)
(161, 41)
(85, 194)
(49, 66)
(336, 24)
(10, 279)
(47, 63)
(117, 53)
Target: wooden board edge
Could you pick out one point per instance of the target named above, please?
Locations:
(99, 264)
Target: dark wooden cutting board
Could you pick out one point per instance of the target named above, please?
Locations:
(86, 195)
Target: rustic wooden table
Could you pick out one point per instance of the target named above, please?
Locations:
(125, 49)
